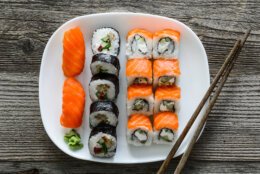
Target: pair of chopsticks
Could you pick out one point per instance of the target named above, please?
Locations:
(223, 72)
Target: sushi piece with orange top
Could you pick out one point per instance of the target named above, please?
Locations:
(166, 44)
(139, 44)
(165, 72)
(166, 99)
(140, 99)
(139, 71)
(139, 130)
(73, 104)
(165, 127)
(73, 52)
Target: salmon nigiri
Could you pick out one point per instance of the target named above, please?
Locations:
(139, 130)
(165, 71)
(73, 52)
(139, 71)
(166, 44)
(139, 44)
(73, 103)
(140, 99)
(166, 98)
(165, 126)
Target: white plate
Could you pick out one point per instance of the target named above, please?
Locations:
(194, 81)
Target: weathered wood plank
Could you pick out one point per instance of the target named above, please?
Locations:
(25, 29)
(78, 166)
(232, 132)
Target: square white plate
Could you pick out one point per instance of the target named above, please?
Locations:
(194, 81)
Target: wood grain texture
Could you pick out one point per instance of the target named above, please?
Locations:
(232, 133)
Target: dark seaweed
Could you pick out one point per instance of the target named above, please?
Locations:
(104, 128)
(104, 106)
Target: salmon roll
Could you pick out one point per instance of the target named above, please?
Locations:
(73, 58)
(166, 99)
(166, 44)
(139, 71)
(106, 40)
(140, 99)
(139, 130)
(165, 128)
(73, 104)
(139, 44)
(104, 87)
(105, 63)
(165, 72)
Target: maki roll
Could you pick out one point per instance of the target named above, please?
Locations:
(139, 130)
(104, 87)
(140, 99)
(103, 112)
(139, 71)
(139, 44)
(165, 72)
(165, 126)
(102, 141)
(166, 99)
(105, 40)
(105, 63)
(166, 44)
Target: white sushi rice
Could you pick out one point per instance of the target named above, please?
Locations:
(150, 101)
(102, 33)
(158, 102)
(166, 55)
(147, 45)
(137, 143)
(92, 89)
(93, 143)
(156, 140)
(130, 79)
(109, 67)
(110, 115)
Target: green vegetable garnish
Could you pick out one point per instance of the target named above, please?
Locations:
(137, 37)
(108, 45)
(104, 147)
(73, 140)
(102, 70)
(165, 138)
(141, 131)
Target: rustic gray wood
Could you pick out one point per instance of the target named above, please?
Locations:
(231, 140)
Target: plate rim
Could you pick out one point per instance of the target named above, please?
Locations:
(116, 13)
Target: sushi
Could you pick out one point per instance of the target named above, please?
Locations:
(104, 87)
(166, 99)
(139, 71)
(166, 44)
(73, 58)
(105, 40)
(165, 72)
(165, 126)
(139, 130)
(103, 112)
(140, 99)
(105, 63)
(73, 104)
(103, 141)
(139, 44)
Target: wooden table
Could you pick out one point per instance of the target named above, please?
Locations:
(231, 140)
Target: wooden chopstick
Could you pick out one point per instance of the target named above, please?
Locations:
(210, 106)
(200, 106)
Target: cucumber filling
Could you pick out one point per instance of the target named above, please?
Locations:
(103, 145)
(101, 69)
(106, 42)
(166, 80)
(165, 45)
(167, 105)
(166, 135)
(140, 136)
(141, 80)
(140, 104)
(102, 91)
(102, 118)
(139, 45)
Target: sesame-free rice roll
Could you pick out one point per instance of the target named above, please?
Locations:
(166, 44)
(139, 44)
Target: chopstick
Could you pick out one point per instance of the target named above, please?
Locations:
(230, 58)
